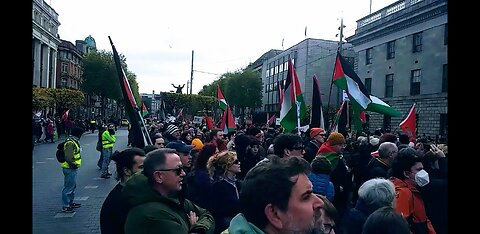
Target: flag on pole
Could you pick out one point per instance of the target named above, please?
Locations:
(209, 122)
(336, 118)
(228, 122)
(139, 131)
(180, 114)
(144, 110)
(381, 107)
(280, 93)
(65, 115)
(316, 118)
(346, 79)
(272, 119)
(222, 103)
(162, 111)
(409, 124)
(292, 97)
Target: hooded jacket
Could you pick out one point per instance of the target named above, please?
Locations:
(410, 204)
(151, 212)
(240, 225)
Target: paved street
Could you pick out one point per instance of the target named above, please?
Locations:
(47, 182)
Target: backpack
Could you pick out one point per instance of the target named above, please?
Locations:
(60, 154)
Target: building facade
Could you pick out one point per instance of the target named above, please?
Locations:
(69, 66)
(401, 56)
(310, 57)
(45, 42)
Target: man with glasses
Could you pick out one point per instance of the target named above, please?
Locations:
(154, 198)
(317, 136)
(288, 145)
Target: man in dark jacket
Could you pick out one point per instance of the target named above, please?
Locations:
(155, 204)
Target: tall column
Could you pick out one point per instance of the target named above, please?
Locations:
(53, 68)
(36, 61)
(44, 66)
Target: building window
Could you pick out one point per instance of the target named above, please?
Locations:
(368, 56)
(391, 50)
(443, 124)
(389, 85)
(445, 78)
(415, 82)
(445, 35)
(368, 85)
(387, 122)
(417, 42)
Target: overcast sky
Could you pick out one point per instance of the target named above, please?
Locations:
(157, 37)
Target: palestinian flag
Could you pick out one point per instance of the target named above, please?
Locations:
(208, 122)
(280, 93)
(381, 107)
(346, 79)
(144, 110)
(65, 115)
(228, 122)
(409, 124)
(222, 103)
(292, 99)
(336, 118)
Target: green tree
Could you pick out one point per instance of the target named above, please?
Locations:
(61, 99)
(100, 77)
(242, 88)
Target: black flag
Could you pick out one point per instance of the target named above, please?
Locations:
(316, 119)
(139, 132)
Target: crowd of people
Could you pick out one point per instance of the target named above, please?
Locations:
(262, 180)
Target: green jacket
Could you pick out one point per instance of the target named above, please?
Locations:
(151, 212)
(240, 225)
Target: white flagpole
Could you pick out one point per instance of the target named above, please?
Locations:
(297, 103)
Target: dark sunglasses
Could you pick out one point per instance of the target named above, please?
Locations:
(177, 171)
(236, 161)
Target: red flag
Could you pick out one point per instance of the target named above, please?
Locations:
(362, 117)
(280, 93)
(144, 110)
(65, 115)
(209, 122)
(180, 114)
(228, 122)
(272, 119)
(409, 125)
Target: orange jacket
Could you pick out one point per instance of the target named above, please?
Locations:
(409, 202)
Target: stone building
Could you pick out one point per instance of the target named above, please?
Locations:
(401, 56)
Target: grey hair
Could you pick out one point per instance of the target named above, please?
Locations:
(376, 193)
(386, 148)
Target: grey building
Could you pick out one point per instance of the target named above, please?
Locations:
(45, 41)
(310, 57)
(401, 55)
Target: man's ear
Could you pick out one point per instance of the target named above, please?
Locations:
(271, 212)
(286, 151)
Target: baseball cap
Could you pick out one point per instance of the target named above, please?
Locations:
(179, 146)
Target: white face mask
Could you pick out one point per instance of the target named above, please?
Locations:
(421, 178)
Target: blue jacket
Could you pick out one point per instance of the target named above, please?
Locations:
(322, 185)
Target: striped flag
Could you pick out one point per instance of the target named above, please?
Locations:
(336, 118)
(228, 122)
(222, 103)
(289, 119)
